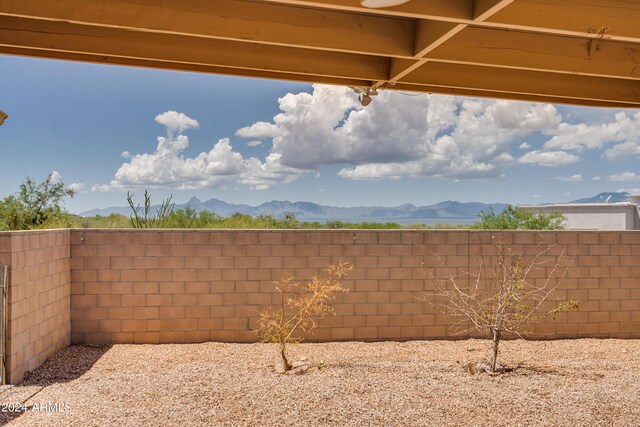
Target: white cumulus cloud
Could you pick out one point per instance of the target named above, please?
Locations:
(167, 167)
(397, 135)
(622, 135)
(56, 177)
(573, 178)
(624, 176)
(76, 187)
(258, 130)
(548, 158)
(263, 175)
(628, 190)
(176, 122)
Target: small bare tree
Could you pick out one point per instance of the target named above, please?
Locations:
(501, 298)
(300, 306)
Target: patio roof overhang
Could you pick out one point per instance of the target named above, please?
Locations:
(584, 52)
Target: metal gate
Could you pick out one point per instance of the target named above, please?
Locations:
(4, 287)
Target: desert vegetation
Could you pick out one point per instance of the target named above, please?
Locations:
(301, 305)
(500, 297)
(189, 218)
(36, 205)
(146, 217)
(511, 218)
(41, 205)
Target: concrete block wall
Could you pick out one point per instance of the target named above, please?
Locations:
(154, 286)
(39, 307)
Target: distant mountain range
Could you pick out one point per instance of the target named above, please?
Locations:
(307, 211)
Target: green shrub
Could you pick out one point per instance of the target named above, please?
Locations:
(36, 206)
(512, 218)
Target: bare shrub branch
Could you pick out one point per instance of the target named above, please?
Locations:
(501, 297)
(300, 307)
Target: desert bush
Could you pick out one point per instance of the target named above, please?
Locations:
(512, 218)
(300, 307)
(145, 218)
(184, 218)
(501, 298)
(36, 205)
(113, 220)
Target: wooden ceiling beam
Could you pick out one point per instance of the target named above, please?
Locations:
(579, 18)
(432, 34)
(575, 51)
(609, 19)
(530, 83)
(178, 66)
(232, 20)
(520, 50)
(484, 9)
(73, 38)
(429, 35)
(445, 90)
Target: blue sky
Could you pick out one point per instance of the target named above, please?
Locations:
(250, 141)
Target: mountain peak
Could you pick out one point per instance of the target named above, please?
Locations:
(614, 197)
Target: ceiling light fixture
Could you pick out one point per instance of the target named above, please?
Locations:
(377, 4)
(365, 94)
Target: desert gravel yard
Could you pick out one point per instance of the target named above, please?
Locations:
(565, 383)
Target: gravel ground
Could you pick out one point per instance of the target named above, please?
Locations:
(573, 382)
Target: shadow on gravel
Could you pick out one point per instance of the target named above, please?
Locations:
(63, 366)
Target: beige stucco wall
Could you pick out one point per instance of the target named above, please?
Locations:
(596, 216)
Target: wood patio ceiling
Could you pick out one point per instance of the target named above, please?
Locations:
(584, 52)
